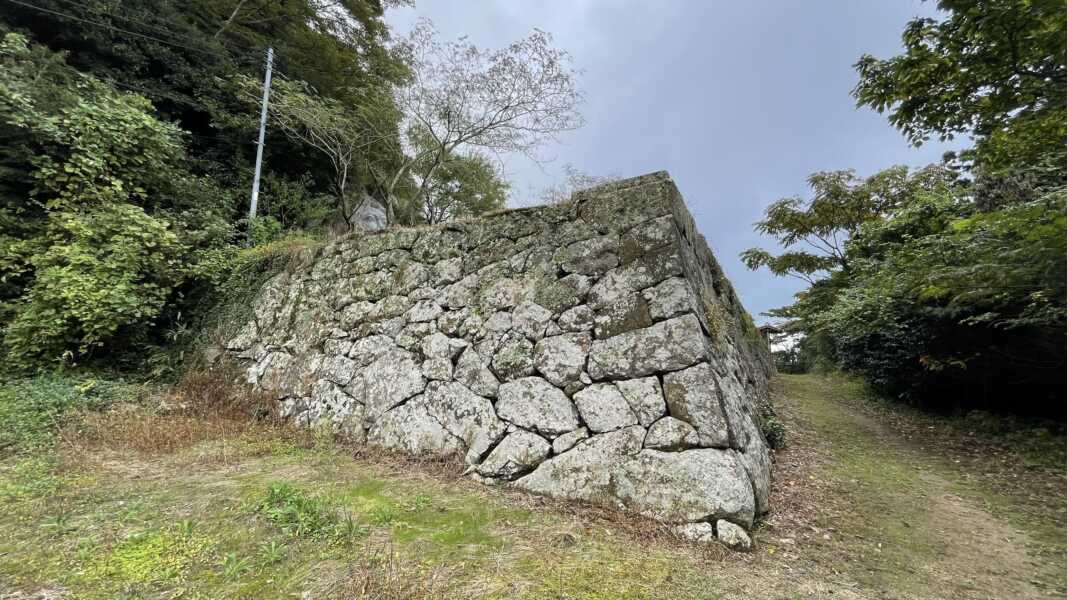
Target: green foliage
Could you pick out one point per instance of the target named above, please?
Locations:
(774, 431)
(100, 271)
(952, 294)
(293, 203)
(301, 515)
(840, 204)
(946, 304)
(994, 70)
(264, 230)
(31, 409)
(949, 297)
(112, 244)
(116, 226)
(150, 557)
(464, 186)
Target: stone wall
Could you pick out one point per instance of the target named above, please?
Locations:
(593, 351)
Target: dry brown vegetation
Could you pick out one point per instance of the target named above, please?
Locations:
(213, 405)
(862, 509)
(382, 574)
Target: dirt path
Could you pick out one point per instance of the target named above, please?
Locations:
(896, 511)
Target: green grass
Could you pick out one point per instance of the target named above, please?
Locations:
(32, 408)
(278, 520)
(898, 496)
(298, 513)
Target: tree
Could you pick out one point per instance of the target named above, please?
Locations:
(327, 126)
(459, 96)
(464, 186)
(996, 70)
(840, 204)
(185, 57)
(574, 180)
(952, 306)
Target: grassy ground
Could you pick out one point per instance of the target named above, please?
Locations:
(868, 503)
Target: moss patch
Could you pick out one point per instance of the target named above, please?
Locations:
(149, 557)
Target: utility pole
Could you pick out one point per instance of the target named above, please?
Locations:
(262, 136)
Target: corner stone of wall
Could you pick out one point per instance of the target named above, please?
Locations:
(591, 351)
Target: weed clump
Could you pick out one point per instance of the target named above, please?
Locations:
(31, 409)
(774, 431)
(384, 575)
(301, 515)
(211, 406)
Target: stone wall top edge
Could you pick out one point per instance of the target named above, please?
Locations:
(561, 210)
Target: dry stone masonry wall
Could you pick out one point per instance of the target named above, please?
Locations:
(592, 351)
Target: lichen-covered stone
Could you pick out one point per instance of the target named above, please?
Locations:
(665, 346)
(568, 440)
(644, 397)
(626, 314)
(646, 271)
(603, 408)
(590, 257)
(437, 369)
(411, 336)
(702, 533)
(531, 319)
(366, 350)
(561, 359)
(425, 310)
(448, 271)
(394, 377)
(501, 294)
(439, 345)
(520, 452)
(693, 485)
(412, 428)
(337, 369)
(671, 434)
(473, 371)
(465, 415)
(650, 235)
(514, 357)
(733, 536)
(336, 347)
(693, 397)
(577, 319)
(669, 299)
(533, 403)
(585, 471)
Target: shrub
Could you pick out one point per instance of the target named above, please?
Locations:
(31, 409)
(774, 431)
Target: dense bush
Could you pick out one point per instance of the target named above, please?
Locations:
(105, 244)
(945, 286)
(952, 305)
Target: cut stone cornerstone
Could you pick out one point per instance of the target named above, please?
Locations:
(592, 350)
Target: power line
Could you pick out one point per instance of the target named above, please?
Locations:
(252, 58)
(110, 26)
(179, 24)
(126, 18)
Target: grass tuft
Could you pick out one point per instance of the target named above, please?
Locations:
(301, 515)
(382, 574)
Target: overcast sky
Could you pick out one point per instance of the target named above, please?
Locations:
(739, 101)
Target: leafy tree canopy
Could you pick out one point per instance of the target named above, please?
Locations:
(815, 231)
(996, 70)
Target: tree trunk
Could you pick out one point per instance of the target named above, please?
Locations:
(233, 16)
